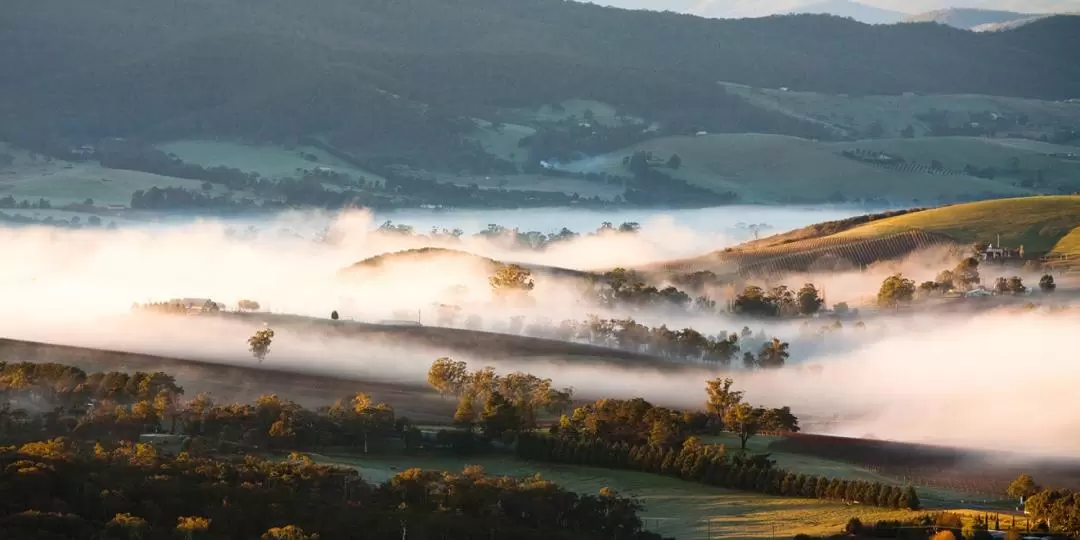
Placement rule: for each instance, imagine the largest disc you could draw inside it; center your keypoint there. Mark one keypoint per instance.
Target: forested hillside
(408, 71)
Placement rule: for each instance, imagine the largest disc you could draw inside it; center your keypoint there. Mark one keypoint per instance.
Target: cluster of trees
(626, 288)
(71, 490)
(638, 422)
(897, 290)
(75, 222)
(510, 403)
(687, 344)
(1057, 510)
(178, 307)
(512, 238)
(1013, 285)
(778, 301)
(122, 406)
(175, 198)
(9, 202)
(963, 277)
(652, 186)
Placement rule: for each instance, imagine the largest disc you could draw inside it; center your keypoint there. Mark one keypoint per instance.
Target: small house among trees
(991, 253)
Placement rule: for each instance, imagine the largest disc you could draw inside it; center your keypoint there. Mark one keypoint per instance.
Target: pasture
(848, 114)
(783, 169)
(684, 510)
(63, 183)
(268, 161)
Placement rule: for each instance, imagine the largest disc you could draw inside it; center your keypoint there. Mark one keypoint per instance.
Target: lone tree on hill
(809, 300)
(448, 376)
(288, 532)
(773, 354)
(721, 397)
(896, 290)
(260, 343)
(1023, 487)
(966, 274)
(743, 420)
(248, 305)
(1046, 284)
(511, 280)
(334, 315)
(192, 527)
(1015, 285)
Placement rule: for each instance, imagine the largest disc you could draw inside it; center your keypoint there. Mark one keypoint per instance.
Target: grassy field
(850, 115)
(673, 507)
(266, 160)
(63, 183)
(1037, 223)
(806, 464)
(776, 168)
(502, 141)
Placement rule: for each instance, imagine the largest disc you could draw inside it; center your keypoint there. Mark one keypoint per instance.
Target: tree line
(117, 405)
(1055, 510)
(130, 491)
(635, 435)
(512, 238)
(708, 465)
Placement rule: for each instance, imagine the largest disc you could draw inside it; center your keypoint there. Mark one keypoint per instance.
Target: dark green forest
(400, 76)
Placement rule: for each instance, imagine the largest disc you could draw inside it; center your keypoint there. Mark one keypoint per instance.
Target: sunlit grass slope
(1040, 224)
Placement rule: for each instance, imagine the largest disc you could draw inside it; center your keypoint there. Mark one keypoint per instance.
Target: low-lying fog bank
(990, 380)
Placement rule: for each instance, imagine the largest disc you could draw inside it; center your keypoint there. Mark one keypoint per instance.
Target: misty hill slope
(773, 168)
(966, 18)
(411, 259)
(406, 72)
(1016, 23)
(1043, 225)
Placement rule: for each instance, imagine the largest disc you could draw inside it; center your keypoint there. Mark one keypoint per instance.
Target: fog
(951, 379)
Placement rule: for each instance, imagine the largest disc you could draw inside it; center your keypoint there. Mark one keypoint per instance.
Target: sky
(757, 8)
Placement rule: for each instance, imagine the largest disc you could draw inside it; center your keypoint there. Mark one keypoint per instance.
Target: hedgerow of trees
(635, 435)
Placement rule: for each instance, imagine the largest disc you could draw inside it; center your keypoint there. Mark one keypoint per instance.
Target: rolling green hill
(127, 67)
(776, 168)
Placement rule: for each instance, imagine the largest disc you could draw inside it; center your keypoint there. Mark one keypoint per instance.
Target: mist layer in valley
(939, 378)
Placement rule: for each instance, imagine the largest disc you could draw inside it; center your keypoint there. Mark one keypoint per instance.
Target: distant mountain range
(961, 16)
(979, 20)
(853, 10)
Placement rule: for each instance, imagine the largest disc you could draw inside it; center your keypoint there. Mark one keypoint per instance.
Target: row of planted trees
(712, 466)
